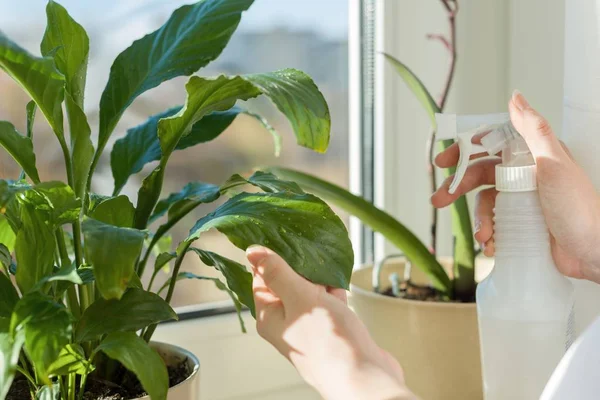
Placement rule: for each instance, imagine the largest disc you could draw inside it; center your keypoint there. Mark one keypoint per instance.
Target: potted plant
(426, 315)
(75, 318)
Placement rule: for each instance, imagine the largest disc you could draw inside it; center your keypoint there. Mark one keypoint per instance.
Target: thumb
(535, 129)
(277, 275)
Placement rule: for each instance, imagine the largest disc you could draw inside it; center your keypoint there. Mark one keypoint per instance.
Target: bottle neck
(520, 228)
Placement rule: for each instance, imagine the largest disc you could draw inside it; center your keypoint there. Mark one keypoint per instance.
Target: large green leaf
(71, 360)
(416, 86)
(20, 148)
(47, 326)
(113, 252)
(299, 227)
(34, 249)
(10, 349)
(54, 200)
(141, 145)
(265, 181)
(298, 98)
(66, 274)
(8, 296)
(238, 278)
(135, 355)
(116, 211)
(378, 220)
(39, 78)
(194, 192)
(135, 310)
(220, 285)
(204, 96)
(193, 36)
(81, 143)
(67, 42)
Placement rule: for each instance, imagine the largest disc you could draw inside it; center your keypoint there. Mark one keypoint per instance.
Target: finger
(489, 248)
(270, 314)
(535, 129)
(278, 276)
(338, 294)
(449, 157)
(478, 174)
(484, 215)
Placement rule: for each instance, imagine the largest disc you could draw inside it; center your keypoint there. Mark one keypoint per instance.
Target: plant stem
(72, 386)
(26, 374)
(450, 44)
(64, 261)
(178, 261)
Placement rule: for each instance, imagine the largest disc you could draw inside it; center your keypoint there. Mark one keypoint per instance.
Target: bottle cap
(516, 179)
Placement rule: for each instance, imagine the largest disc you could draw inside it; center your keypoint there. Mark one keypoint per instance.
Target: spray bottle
(525, 306)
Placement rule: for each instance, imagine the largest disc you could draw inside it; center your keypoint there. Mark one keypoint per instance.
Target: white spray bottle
(525, 306)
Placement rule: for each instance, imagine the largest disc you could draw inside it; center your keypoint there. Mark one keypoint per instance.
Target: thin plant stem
(451, 7)
(72, 386)
(26, 374)
(178, 261)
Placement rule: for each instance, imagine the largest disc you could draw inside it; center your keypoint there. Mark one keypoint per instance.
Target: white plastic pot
(189, 389)
(437, 344)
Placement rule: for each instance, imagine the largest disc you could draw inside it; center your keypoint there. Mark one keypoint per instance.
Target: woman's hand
(313, 328)
(569, 201)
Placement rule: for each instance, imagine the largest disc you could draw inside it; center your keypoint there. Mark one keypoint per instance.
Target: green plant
(462, 285)
(72, 302)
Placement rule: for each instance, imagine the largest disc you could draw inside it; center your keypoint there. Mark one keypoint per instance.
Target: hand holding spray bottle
(525, 306)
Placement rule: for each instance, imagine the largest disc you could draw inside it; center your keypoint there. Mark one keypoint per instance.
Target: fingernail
(519, 100)
(477, 227)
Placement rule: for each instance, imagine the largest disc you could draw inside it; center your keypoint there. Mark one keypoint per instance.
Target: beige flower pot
(437, 344)
(188, 389)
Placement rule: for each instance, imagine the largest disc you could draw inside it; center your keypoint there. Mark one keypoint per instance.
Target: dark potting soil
(411, 291)
(96, 389)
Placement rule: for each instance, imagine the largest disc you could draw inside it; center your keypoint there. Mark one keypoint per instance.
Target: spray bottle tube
(525, 306)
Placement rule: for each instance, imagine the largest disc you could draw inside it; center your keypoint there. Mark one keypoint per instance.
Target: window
(273, 34)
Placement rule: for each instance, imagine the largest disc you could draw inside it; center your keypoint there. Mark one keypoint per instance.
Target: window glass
(310, 35)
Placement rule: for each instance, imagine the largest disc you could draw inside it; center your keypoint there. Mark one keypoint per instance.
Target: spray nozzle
(463, 128)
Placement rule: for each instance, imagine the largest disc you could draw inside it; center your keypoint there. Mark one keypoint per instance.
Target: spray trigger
(466, 149)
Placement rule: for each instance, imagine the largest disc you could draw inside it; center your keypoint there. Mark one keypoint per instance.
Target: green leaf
(48, 392)
(71, 360)
(135, 310)
(67, 42)
(194, 192)
(113, 253)
(81, 143)
(417, 87)
(66, 274)
(20, 148)
(265, 181)
(193, 36)
(10, 349)
(116, 211)
(299, 227)
(377, 219)
(55, 200)
(220, 285)
(298, 98)
(7, 235)
(239, 280)
(34, 249)
(39, 78)
(141, 145)
(8, 296)
(47, 326)
(5, 256)
(135, 355)
(203, 97)
(163, 259)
